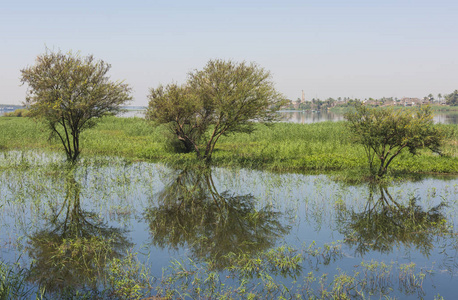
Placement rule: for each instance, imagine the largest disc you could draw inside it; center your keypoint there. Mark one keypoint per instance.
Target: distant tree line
(318, 104)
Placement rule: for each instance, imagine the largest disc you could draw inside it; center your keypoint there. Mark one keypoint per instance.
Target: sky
(326, 48)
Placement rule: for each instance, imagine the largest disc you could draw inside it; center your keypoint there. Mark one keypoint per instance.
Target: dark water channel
(66, 226)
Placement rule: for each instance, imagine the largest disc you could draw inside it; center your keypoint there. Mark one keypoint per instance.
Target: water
(111, 206)
(306, 117)
(303, 117)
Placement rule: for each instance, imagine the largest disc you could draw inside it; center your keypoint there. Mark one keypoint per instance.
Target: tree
(69, 93)
(384, 133)
(225, 97)
(185, 113)
(452, 99)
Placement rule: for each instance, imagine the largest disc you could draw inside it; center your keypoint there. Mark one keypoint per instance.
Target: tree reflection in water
(192, 212)
(385, 223)
(72, 251)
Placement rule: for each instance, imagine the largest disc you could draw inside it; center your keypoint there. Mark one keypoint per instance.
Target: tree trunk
(383, 169)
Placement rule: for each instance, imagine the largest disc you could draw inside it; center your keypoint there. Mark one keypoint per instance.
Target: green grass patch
(284, 147)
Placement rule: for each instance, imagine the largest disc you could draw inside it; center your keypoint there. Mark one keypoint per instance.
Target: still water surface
(305, 117)
(313, 117)
(308, 117)
(166, 214)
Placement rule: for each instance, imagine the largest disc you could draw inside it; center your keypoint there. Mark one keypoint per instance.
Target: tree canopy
(223, 98)
(69, 92)
(452, 99)
(385, 132)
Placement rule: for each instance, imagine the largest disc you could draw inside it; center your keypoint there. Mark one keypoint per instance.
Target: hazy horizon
(356, 49)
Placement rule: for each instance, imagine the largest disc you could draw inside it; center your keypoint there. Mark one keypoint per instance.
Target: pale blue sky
(326, 48)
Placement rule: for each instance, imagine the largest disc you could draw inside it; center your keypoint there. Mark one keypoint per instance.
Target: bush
(21, 112)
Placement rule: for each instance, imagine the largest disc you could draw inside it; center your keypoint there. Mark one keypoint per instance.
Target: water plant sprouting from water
(289, 273)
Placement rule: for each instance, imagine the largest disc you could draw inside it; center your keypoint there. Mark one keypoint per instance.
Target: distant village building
(371, 102)
(389, 103)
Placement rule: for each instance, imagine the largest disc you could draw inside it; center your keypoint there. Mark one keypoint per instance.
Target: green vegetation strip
(284, 147)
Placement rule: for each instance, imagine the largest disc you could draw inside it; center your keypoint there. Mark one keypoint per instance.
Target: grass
(279, 273)
(285, 147)
(262, 277)
(13, 282)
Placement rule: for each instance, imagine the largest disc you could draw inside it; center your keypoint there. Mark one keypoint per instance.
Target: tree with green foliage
(182, 111)
(69, 93)
(385, 133)
(452, 99)
(223, 98)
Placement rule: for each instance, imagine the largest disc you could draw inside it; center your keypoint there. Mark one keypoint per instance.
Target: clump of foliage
(18, 113)
(384, 133)
(184, 113)
(452, 99)
(69, 93)
(223, 98)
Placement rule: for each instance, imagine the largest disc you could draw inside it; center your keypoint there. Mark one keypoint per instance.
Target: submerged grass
(263, 277)
(13, 283)
(280, 273)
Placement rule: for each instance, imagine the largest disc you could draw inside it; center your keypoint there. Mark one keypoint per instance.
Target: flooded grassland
(109, 228)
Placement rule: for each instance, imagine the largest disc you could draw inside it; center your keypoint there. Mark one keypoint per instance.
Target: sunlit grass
(317, 147)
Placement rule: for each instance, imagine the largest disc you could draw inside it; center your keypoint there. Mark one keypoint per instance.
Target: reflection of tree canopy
(191, 211)
(74, 248)
(385, 223)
